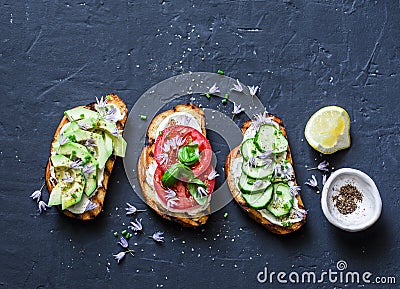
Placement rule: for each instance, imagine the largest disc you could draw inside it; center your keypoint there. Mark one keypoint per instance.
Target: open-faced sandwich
(175, 170)
(82, 156)
(261, 178)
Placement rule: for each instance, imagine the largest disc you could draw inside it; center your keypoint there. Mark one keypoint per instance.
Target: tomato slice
(184, 198)
(172, 138)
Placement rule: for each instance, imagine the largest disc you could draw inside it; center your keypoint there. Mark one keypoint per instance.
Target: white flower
(158, 237)
(265, 155)
(312, 182)
(136, 225)
(237, 86)
(212, 175)
(213, 89)
(323, 179)
(42, 206)
(102, 102)
(260, 119)
(202, 192)
(237, 109)
(119, 256)
(284, 171)
(123, 242)
(253, 90)
(258, 183)
(67, 178)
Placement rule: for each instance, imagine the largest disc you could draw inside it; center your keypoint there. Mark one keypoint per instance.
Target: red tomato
(166, 149)
(185, 199)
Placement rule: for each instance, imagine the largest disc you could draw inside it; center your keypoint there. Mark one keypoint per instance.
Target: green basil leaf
(176, 172)
(193, 186)
(189, 154)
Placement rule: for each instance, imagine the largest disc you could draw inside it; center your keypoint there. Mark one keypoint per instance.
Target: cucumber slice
(268, 137)
(265, 138)
(281, 143)
(259, 200)
(252, 186)
(258, 172)
(250, 151)
(282, 200)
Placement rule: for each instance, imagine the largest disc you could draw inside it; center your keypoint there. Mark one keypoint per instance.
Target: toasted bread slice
(236, 193)
(187, 219)
(98, 197)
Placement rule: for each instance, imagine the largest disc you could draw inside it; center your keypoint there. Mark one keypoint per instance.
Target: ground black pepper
(346, 200)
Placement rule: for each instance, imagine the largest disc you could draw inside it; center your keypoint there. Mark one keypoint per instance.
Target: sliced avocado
(91, 183)
(60, 161)
(77, 150)
(55, 196)
(80, 113)
(119, 146)
(107, 126)
(108, 144)
(78, 135)
(73, 126)
(72, 193)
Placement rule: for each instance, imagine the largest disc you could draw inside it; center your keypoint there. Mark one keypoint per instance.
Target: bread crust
(147, 157)
(253, 213)
(99, 196)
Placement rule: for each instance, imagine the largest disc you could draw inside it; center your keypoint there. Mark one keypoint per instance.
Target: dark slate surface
(304, 55)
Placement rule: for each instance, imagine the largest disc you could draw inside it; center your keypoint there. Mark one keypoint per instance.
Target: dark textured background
(304, 54)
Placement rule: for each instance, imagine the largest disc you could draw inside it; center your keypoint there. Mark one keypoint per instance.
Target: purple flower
(90, 206)
(62, 139)
(90, 143)
(88, 169)
(158, 237)
(67, 178)
(136, 225)
(42, 206)
(131, 209)
(123, 242)
(36, 195)
(323, 166)
(294, 190)
(163, 158)
(76, 164)
(102, 102)
(323, 179)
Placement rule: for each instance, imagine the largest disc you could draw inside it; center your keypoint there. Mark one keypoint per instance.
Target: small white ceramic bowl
(368, 210)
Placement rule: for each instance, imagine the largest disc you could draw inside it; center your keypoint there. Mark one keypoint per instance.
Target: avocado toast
(82, 156)
(261, 177)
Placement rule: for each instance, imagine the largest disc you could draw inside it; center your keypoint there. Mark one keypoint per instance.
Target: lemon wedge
(328, 130)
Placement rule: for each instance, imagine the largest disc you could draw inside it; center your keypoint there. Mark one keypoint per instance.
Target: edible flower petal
(136, 225)
(172, 202)
(67, 178)
(123, 242)
(237, 109)
(90, 143)
(163, 158)
(324, 179)
(76, 164)
(42, 206)
(202, 192)
(253, 90)
(119, 256)
(101, 103)
(158, 237)
(131, 209)
(213, 89)
(88, 169)
(62, 139)
(36, 195)
(323, 166)
(91, 206)
(312, 182)
(213, 174)
(294, 190)
(237, 86)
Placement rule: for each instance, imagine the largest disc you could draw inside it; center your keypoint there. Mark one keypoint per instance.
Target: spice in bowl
(347, 199)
